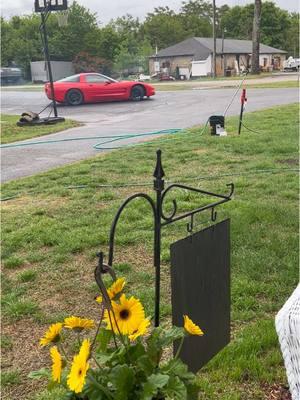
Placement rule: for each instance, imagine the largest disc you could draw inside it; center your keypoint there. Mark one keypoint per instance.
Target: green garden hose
(98, 146)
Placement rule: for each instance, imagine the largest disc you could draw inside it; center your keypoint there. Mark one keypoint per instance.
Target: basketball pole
(47, 57)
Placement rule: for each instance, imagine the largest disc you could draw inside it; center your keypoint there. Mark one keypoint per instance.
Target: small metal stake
(243, 101)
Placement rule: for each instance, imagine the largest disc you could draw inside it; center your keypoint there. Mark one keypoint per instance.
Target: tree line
(127, 41)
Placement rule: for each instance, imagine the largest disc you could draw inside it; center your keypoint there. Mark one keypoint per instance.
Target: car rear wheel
(74, 97)
(137, 93)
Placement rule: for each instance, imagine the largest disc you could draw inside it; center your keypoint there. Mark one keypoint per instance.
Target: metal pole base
(41, 121)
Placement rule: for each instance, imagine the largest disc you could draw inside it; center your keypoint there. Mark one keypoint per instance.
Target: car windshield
(73, 78)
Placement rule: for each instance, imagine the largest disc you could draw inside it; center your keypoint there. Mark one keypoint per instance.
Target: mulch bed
(277, 392)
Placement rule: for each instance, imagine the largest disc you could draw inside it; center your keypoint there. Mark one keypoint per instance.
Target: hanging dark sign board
(200, 280)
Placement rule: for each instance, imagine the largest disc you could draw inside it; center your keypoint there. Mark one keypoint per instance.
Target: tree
(163, 28)
(196, 18)
(291, 42)
(84, 62)
(256, 37)
(65, 42)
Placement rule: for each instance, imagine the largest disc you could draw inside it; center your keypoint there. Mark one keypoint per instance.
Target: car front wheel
(137, 93)
(74, 97)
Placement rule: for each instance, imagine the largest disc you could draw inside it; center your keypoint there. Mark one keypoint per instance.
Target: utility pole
(256, 37)
(214, 39)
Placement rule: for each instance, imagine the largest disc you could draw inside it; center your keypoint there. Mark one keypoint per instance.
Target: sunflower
(85, 349)
(141, 330)
(125, 317)
(52, 335)
(57, 364)
(78, 324)
(76, 377)
(114, 289)
(190, 327)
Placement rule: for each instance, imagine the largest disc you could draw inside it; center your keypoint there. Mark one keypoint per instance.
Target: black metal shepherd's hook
(160, 220)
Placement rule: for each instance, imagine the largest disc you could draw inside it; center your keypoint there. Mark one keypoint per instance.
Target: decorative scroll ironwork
(160, 220)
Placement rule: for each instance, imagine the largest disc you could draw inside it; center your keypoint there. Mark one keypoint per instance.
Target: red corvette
(91, 87)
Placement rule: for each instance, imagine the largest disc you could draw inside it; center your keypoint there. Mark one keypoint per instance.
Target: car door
(100, 88)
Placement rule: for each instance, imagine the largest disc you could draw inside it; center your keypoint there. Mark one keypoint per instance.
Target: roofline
(177, 55)
(220, 53)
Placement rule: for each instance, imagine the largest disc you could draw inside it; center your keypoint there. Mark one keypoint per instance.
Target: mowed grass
(55, 222)
(10, 132)
(248, 84)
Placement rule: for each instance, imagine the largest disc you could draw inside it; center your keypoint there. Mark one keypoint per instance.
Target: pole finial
(159, 171)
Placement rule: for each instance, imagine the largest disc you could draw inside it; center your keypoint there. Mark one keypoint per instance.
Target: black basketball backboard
(50, 5)
(200, 281)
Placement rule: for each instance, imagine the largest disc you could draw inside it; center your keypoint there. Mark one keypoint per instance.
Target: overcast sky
(107, 10)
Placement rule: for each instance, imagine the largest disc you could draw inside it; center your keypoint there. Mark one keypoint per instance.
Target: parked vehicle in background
(10, 75)
(291, 64)
(143, 78)
(92, 87)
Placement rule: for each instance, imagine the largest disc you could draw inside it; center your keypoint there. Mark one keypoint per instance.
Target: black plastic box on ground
(215, 120)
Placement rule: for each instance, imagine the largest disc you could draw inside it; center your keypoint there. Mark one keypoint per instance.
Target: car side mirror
(108, 82)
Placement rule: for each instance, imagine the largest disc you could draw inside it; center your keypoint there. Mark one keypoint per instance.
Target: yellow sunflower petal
(114, 289)
(77, 375)
(57, 364)
(125, 316)
(191, 327)
(141, 330)
(85, 349)
(78, 323)
(52, 335)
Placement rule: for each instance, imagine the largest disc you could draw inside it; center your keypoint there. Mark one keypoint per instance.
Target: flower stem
(179, 348)
(63, 351)
(98, 328)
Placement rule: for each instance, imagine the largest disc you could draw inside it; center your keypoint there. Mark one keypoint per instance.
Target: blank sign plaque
(200, 281)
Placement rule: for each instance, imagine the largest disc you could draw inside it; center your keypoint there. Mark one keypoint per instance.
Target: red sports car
(92, 87)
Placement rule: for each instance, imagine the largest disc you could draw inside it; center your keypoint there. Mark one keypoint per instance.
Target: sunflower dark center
(124, 314)
(80, 372)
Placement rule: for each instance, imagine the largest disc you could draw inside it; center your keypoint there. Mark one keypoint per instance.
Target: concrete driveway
(178, 109)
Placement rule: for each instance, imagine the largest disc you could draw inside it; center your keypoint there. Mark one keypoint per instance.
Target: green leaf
(104, 358)
(135, 352)
(103, 338)
(154, 383)
(192, 390)
(175, 389)
(122, 378)
(41, 373)
(168, 336)
(144, 363)
(95, 387)
(154, 346)
(177, 368)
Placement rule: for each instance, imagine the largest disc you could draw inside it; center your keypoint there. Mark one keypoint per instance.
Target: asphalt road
(178, 109)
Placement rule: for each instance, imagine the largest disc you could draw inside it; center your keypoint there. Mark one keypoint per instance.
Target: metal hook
(105, 268)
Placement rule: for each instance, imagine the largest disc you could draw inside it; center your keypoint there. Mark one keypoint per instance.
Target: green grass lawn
(248, 84)
(51, 233)
(10, 132)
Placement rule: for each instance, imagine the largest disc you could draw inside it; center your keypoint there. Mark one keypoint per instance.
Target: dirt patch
(289, 161)
(25, 356)
(276, 392)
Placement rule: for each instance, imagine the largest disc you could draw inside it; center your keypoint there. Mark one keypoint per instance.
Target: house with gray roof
(193, 57)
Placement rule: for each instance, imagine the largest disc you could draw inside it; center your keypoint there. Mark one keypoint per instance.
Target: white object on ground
(220, 131)
(287, 324)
